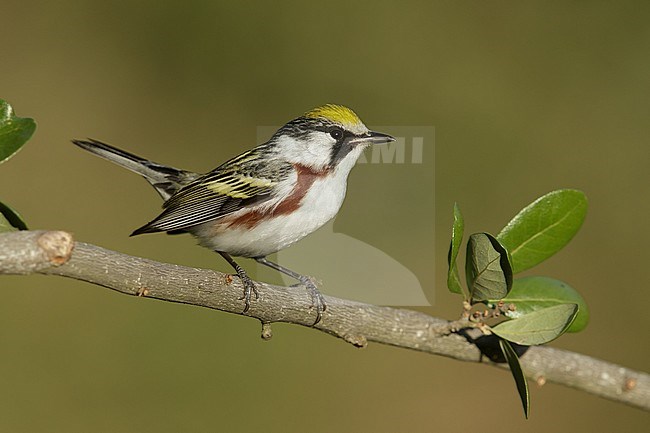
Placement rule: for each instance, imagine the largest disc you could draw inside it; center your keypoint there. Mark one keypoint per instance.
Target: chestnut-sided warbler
(265, 199)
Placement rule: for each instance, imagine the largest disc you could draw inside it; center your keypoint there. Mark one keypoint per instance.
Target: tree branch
(55, 253)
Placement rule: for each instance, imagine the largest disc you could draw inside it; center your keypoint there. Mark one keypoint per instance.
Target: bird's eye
(336, 133)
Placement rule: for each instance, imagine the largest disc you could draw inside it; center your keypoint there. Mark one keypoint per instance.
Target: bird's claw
(249, 289)
(317, 300)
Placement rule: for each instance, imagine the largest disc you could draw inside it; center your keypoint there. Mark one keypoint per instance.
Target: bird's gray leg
(249, 285)
(317, 300)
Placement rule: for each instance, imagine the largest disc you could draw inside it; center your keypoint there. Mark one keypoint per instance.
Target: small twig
(55, 253)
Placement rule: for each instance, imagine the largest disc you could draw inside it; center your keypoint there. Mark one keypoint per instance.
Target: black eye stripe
(336, 132)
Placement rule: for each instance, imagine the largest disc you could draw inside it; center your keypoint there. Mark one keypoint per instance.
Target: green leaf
(10, 219)
(517, 373)
(14, 131)
(535, 293)
(453, 279)
(5, 226)
(543, 227)
(538, 327)
(487, 267)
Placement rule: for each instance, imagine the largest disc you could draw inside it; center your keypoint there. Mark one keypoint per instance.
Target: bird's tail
(166, 180)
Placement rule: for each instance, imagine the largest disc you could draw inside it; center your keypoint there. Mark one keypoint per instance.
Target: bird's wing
(244, 181)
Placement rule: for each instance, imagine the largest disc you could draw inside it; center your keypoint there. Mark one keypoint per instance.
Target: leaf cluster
(530, 310)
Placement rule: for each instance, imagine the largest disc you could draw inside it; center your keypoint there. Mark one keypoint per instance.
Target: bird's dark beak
(373, 137)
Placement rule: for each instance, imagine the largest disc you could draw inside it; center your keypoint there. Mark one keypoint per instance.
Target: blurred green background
(525, 97)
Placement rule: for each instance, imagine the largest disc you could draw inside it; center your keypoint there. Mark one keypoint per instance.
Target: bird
(263, 200)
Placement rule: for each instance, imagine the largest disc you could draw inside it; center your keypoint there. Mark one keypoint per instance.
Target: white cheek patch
(313, 151)
(320, 148)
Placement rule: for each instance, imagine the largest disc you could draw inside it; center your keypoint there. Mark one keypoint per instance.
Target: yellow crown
(335, 113)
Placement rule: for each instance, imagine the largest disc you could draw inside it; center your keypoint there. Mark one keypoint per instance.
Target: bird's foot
(249, 290)
(317, 300)
(249, 285)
